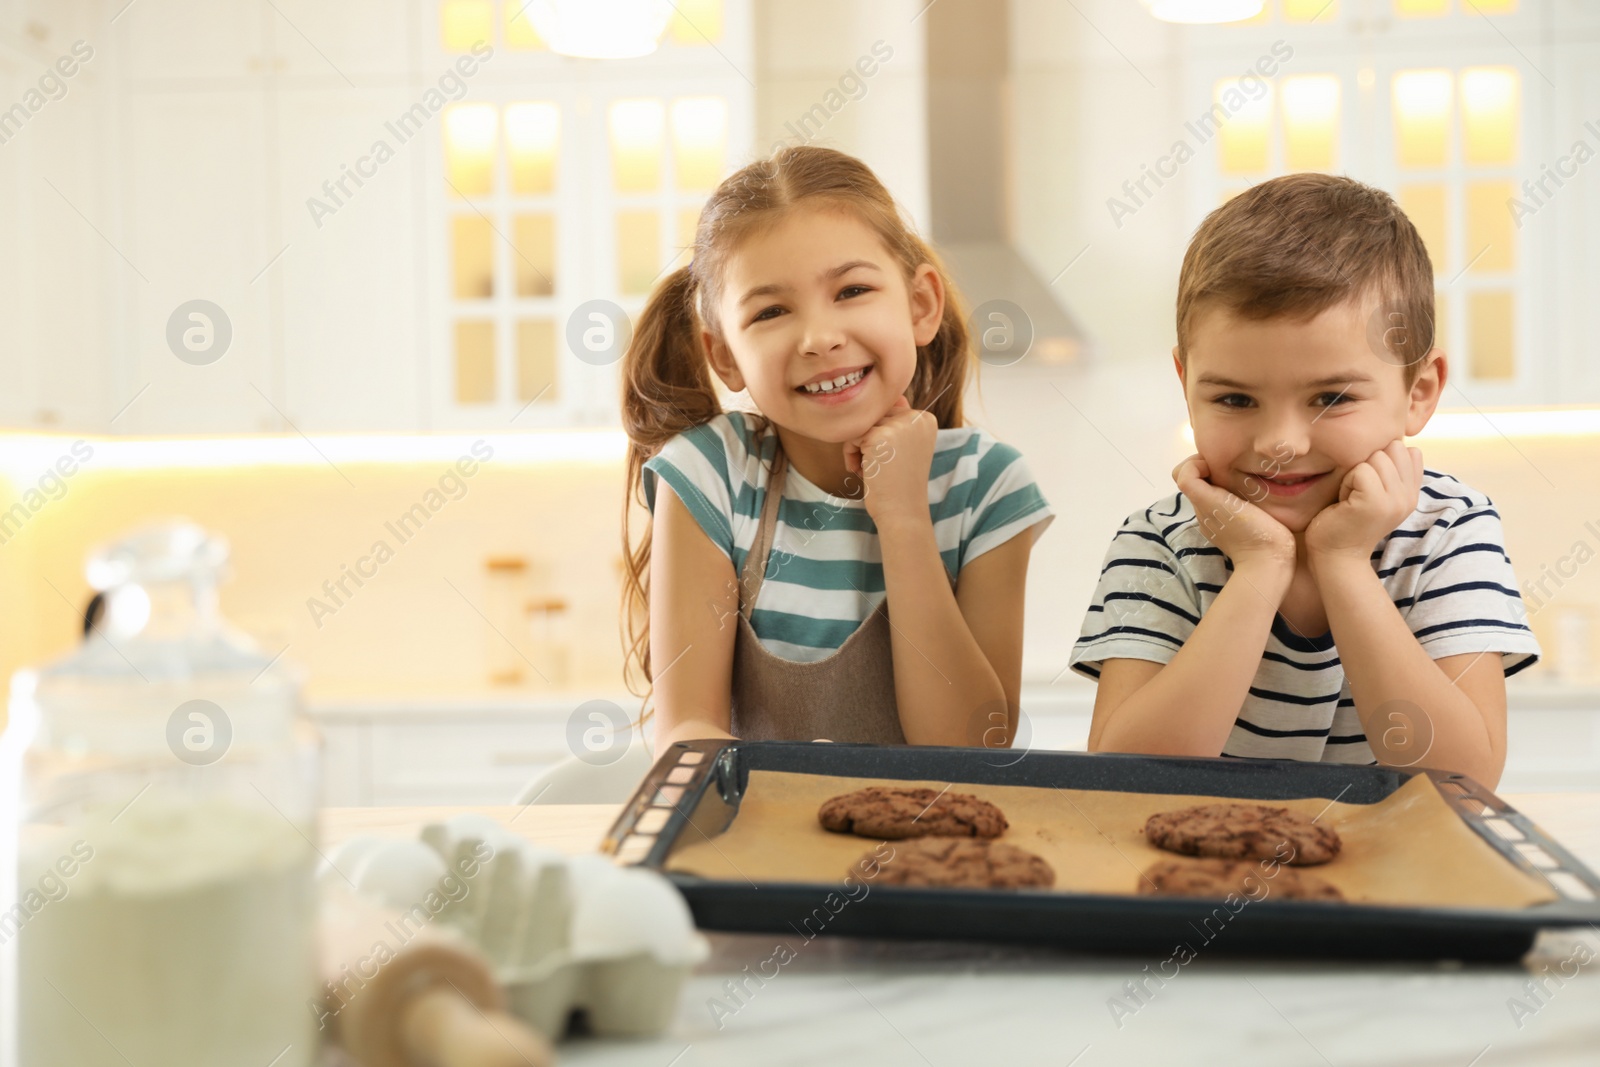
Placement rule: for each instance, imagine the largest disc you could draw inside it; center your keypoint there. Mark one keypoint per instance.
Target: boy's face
(818, 297)
(1283, 408)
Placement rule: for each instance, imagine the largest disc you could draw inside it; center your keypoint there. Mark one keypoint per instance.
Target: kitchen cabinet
(188, 182)
(480, 750)
(1574, 213)
(556, 198)
(18, 369)
(354, 42)
(483, 750)
(368, 42)
(354, 316)
(54, 361)
(224, 149)
(197, 179)
(1453, 112)
(43, 29)
(191, 178)
(72, 269)
(194, 40)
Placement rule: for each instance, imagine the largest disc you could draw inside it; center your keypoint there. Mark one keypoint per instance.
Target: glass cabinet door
(565, 189)
(1431, 101)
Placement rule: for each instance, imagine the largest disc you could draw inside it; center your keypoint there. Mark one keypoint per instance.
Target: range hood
(969, 149)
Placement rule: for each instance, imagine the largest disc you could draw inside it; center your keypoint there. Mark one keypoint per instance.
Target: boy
(1312, 592)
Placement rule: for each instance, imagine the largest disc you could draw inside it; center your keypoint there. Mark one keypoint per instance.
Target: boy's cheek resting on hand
(1375, 496)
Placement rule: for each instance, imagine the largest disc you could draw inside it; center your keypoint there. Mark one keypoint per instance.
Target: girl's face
(820, 324)
(1282, 408)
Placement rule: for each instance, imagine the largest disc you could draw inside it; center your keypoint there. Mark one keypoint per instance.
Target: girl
(786, 539)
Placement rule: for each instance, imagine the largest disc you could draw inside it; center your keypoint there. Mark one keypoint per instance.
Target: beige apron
(849, 696)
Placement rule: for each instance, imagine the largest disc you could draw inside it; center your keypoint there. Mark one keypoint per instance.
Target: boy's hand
(1247, 535)
(1374, 498)
(893, 459)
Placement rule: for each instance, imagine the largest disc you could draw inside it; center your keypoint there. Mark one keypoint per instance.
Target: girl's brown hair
(667, 382)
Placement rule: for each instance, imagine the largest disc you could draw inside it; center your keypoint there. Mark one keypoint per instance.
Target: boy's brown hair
(1297, 245)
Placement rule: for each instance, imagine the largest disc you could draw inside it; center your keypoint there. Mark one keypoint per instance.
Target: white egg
(472, 824)
(400, 874)
(587, 870)
(633, 910)
(342, 863)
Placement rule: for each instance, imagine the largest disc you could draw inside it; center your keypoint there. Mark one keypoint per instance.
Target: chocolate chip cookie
(1243, 832)
(893, 812)
(964, 863)
(1217, 878)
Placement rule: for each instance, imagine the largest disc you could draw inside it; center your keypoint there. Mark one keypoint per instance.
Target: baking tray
(695, 788)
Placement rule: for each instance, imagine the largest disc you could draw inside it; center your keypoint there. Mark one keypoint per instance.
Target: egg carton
(563, 934)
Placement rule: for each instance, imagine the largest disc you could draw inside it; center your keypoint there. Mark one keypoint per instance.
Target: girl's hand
(1374, 498)
(893, 459)
(1248, 536)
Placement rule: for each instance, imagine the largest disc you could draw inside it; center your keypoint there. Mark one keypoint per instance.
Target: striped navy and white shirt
(1445, 568)
(825, 572)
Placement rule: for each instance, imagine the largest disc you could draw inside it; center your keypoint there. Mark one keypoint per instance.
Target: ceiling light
(1204, 10)
(600, 29)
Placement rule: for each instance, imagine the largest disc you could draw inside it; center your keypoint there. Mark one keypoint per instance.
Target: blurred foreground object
(158, 903)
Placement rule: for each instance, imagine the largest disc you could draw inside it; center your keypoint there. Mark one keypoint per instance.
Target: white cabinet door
(193, 40)
(59, 262)
(19, 390)
(1567, 209)
(46, 28)
(198, 229)
(348, 43)
(346, 781)
(455, 761)
(73, 268)
(352, 320)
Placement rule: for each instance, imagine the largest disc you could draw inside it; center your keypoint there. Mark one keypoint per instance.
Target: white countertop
(924, 1004)
(920, 1004)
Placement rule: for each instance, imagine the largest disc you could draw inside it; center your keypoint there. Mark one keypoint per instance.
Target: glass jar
(551, 642)
(160, 905)
(507, 582)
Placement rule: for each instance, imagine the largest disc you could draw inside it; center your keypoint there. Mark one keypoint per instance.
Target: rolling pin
(421, 1000)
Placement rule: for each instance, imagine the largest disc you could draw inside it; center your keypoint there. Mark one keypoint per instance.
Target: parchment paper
(1408, 849)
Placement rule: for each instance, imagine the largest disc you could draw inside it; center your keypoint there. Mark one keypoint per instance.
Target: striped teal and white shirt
(1445, 568)
(825, 572)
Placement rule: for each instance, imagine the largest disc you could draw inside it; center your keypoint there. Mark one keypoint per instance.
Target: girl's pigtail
(666, 389)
